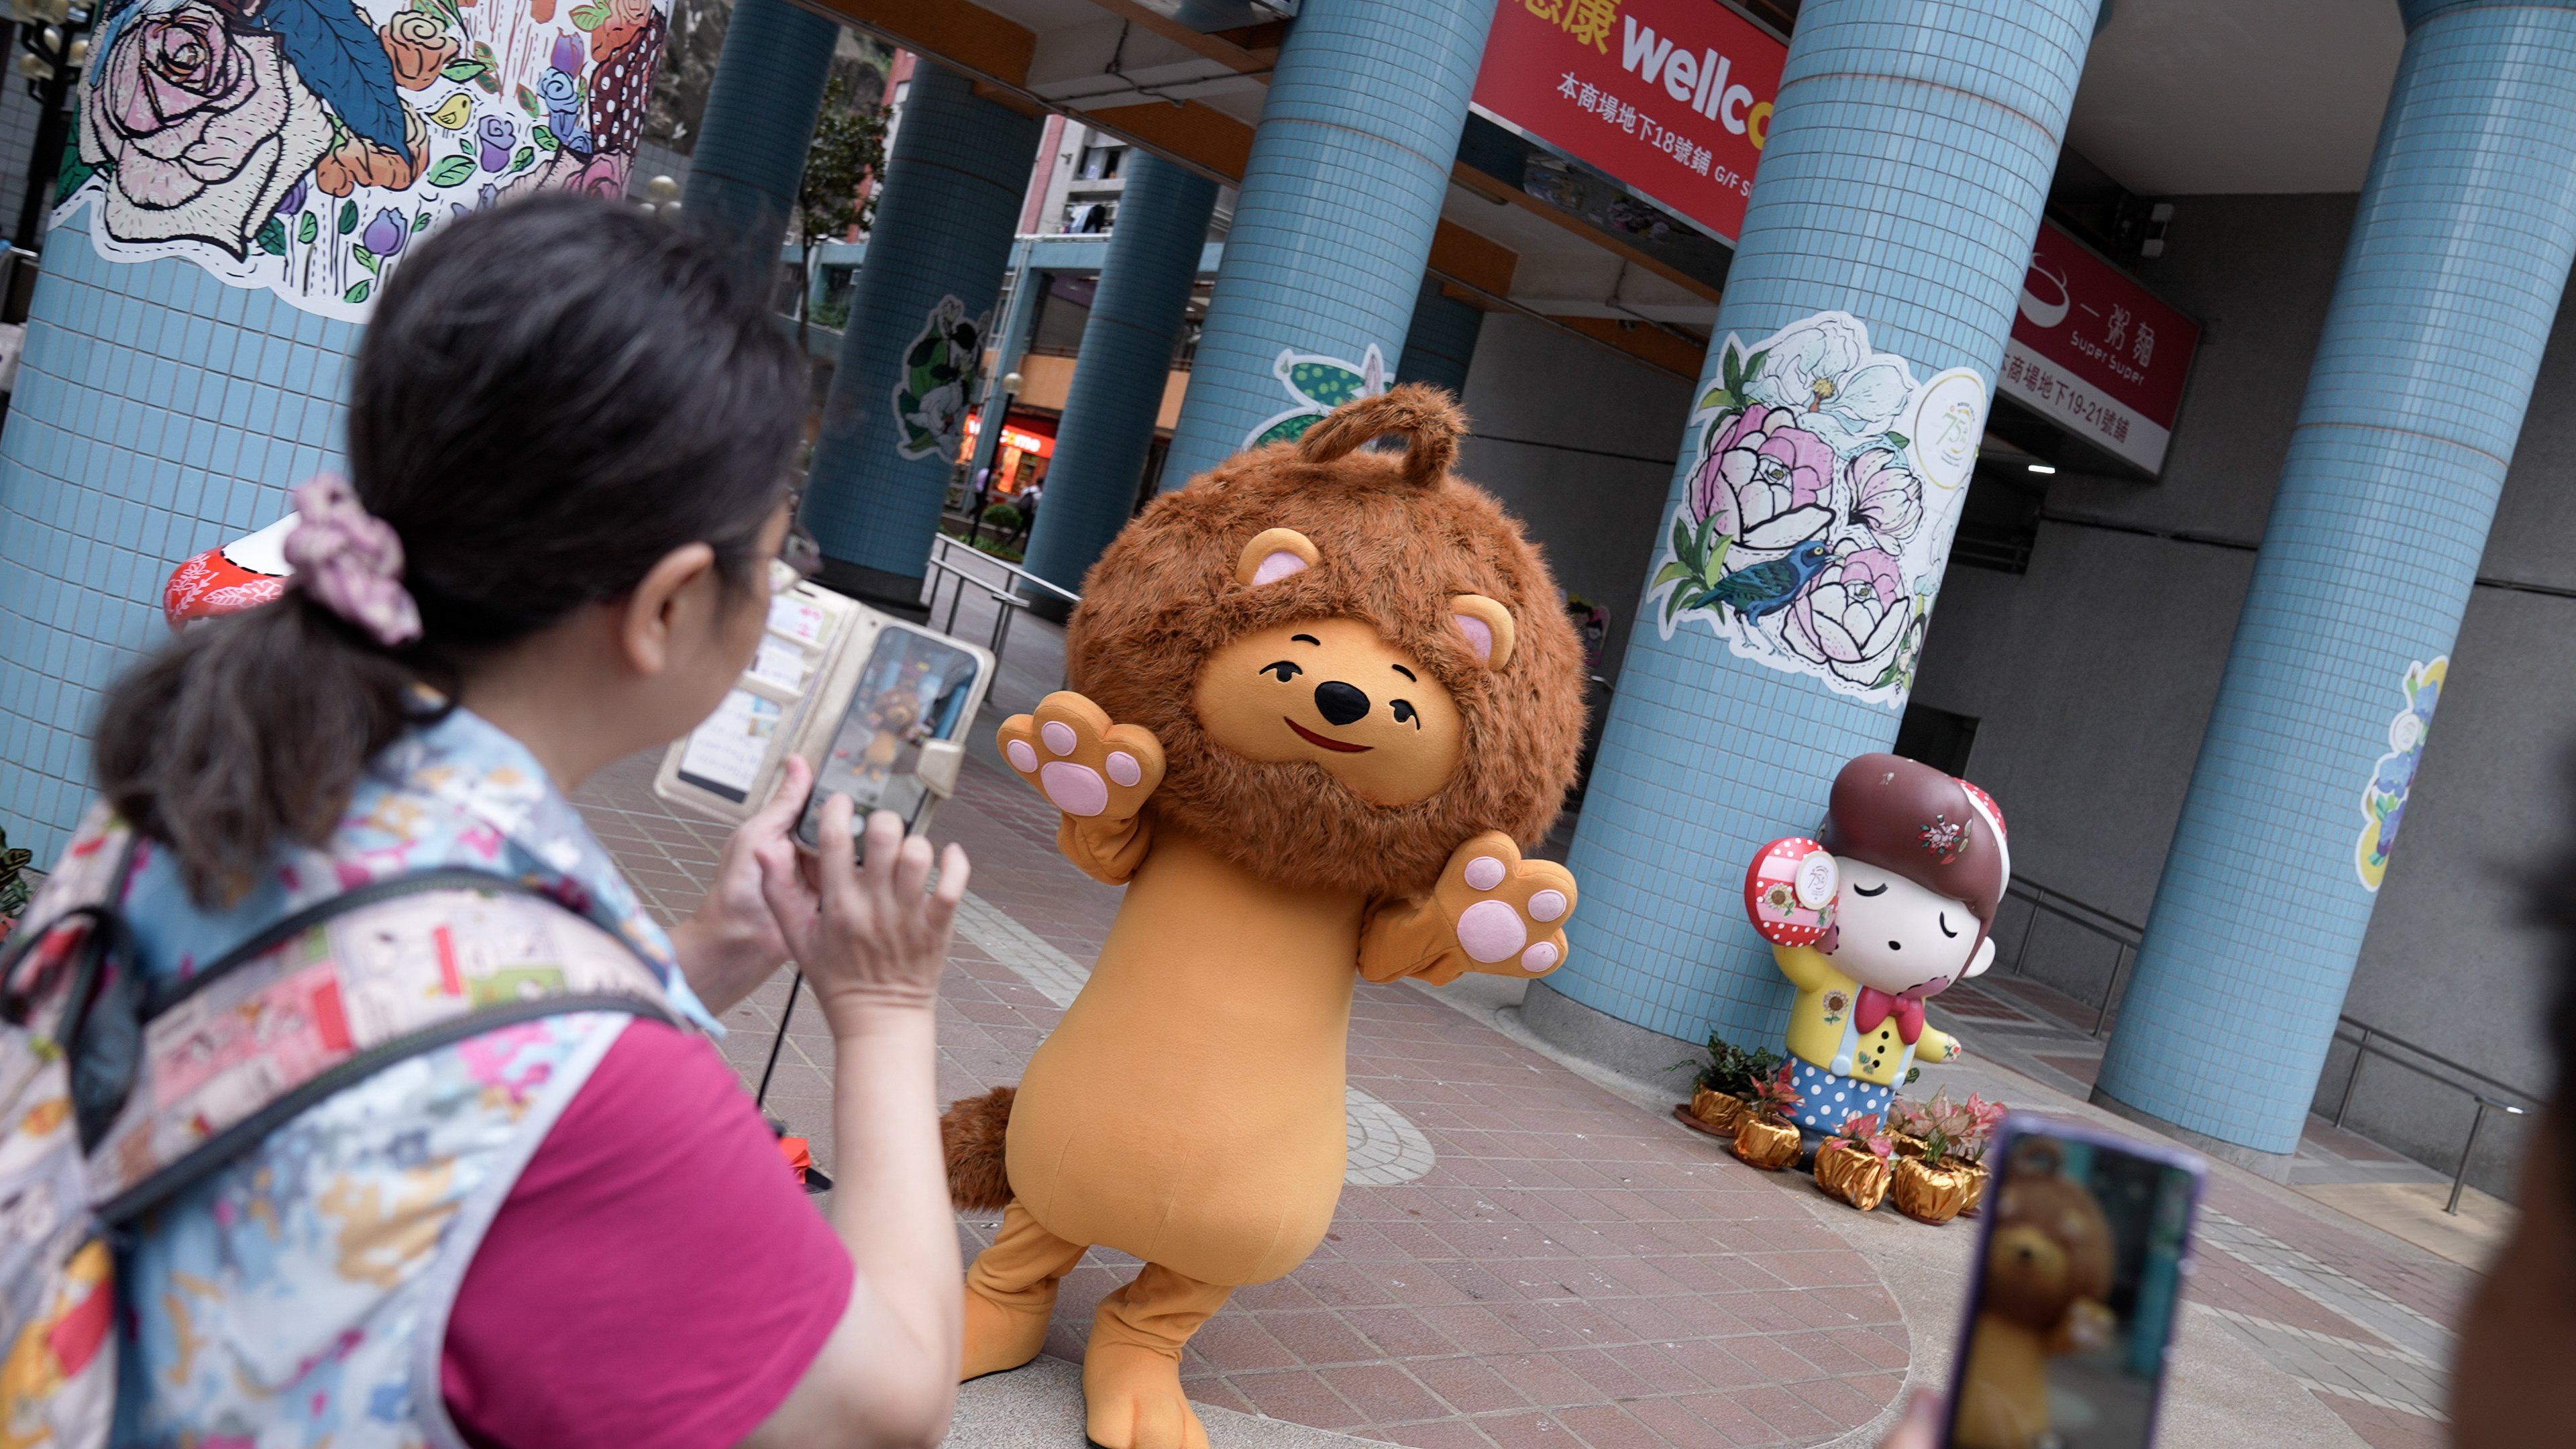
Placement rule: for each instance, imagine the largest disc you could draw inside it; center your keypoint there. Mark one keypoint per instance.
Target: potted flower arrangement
(1765, 1137)
(1854, 1165)
(1726, 1083)
(1940, 1176)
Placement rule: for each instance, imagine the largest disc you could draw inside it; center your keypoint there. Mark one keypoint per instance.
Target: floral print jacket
(299, 1296)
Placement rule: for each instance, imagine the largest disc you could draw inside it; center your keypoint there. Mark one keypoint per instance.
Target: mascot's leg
(1131, 1373)
(1010, 1292)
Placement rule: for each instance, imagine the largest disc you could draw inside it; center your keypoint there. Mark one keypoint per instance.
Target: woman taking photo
(570, 439)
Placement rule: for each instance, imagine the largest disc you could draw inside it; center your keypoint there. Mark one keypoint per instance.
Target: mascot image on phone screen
(1318, 695)
(1892, 906)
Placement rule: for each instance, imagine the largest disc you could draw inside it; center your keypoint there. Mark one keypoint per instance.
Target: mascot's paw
(1081, 762)
(1510, 913)
(1132, 1399)
(1001, 1336)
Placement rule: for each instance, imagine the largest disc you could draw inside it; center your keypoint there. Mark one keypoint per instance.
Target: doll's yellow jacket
(1822, 1030)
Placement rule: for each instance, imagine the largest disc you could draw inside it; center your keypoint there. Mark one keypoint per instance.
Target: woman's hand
(733, 943)
(873, 934)
(1921, 1426)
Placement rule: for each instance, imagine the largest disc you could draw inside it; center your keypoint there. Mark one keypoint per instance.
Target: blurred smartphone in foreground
(2071, 1312)
(911, 697)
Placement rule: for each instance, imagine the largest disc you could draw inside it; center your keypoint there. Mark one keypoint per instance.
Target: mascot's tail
(1427, 416)
(973, 1131)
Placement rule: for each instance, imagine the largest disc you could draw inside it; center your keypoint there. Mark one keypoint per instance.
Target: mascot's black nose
(1339, 702)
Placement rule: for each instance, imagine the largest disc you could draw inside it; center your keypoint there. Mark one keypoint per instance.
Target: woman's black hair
(551, 396)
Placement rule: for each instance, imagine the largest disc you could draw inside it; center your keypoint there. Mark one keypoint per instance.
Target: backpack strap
(325, 999)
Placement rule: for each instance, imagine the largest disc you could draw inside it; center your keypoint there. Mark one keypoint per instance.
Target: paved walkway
(1530, 1253)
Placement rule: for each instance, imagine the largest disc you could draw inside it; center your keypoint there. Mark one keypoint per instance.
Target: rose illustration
(566, 55)
(295, 198)
(563, 109)
(355, 161)
(201, 132)
(626, 20)
(1764, 480)
(1887, 499)
(418, 43)
(495, 136)
(1842, 392)
(1852, 617)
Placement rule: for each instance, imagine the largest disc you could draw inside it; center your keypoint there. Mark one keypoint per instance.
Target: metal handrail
(2124, 934)
(2487, 1092)
(1003, 591)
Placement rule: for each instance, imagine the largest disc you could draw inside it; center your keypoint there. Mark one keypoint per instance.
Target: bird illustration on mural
(1766, 588)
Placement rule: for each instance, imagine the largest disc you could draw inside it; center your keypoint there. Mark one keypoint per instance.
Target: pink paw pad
(1547, 905)
(1022, 758)
(1123, 767)
(1491, 931)
(1058, 735)
(1484, 872)
(1539, 957)
(1073, 789)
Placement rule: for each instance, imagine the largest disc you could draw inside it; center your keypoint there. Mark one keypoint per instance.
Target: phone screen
(2079, 1279)
(913, 688)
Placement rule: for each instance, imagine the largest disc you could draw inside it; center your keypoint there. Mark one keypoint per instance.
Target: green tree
(848, 151)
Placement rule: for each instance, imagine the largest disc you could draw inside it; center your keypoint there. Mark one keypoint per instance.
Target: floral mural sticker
(304, 146)
(2383, 800)
(1319, 384)
(930, 391)
(1822, 494)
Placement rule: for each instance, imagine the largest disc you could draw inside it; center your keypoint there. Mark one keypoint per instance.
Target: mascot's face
(1895, 935)
(1352, 658)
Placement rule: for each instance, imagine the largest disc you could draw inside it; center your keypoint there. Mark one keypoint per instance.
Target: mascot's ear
(1487, 625)
(1274, 554)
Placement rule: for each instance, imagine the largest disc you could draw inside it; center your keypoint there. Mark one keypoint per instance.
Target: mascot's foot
(1082, 763)
(1131, 1394)
(1000, 1337)
(1010, 1295)
(1510, 913)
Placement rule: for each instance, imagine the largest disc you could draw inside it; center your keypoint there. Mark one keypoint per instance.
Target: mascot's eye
(1403, 709)
(1866, 891)
(1941, 919)
(1286, 669)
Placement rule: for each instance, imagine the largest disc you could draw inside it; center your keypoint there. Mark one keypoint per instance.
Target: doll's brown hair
(1398, 536)
(1914, 821)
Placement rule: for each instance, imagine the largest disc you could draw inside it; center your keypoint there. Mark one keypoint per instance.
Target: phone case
(790, 701)
(1789, 891)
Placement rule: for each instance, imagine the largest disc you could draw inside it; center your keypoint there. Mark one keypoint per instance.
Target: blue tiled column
(1902, 184)
(1334, 221)
(1442, 340)
(943, 231)
(1126, 359)
(759, 121)
(158, 413)
(2449, 287)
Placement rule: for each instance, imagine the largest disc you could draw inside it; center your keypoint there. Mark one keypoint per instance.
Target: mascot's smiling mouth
(1312, 738)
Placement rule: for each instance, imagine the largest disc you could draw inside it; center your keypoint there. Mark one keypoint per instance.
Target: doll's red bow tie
(1874, 1005)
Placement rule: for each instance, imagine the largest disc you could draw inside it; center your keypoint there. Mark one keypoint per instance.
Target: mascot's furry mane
(1399, 535)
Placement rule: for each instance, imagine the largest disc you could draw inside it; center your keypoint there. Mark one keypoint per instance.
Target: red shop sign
(1670, 97)
(2096, 353)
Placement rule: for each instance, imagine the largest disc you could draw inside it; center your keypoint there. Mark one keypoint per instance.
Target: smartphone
(2080, 1269)
(913, 690)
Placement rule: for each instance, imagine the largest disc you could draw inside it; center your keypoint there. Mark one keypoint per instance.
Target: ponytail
(551, 396)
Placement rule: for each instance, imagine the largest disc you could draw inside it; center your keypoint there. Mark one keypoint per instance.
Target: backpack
(116, 1093)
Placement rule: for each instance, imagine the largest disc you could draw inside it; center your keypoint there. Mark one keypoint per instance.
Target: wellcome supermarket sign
(1672, 97)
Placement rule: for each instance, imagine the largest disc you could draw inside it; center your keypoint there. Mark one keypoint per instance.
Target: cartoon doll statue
(1891, 906)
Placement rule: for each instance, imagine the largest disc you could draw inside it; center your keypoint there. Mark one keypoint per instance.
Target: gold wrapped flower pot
(1768, 1145)
(1929, 1194)
(1976, 1186)
(1907, 1144)
(1853, 1174)
(1722, 1111)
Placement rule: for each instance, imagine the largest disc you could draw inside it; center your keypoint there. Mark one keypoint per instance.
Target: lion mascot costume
(1319, 699)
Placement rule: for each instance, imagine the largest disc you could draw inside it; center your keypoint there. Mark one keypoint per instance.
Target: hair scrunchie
(351, 561)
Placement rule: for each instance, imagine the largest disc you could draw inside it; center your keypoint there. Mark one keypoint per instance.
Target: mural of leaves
(307, 229)
(272, 237)
(357, 293)
(348, 217)
(1329, 385)
(451, 172)
(341, 59)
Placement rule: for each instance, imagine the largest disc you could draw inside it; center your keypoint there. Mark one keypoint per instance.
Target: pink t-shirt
(655, 1280)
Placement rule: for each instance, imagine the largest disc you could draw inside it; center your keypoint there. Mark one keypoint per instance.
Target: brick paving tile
(2386, 1428)
(1297, 1395)
(1605, 1426)
(1386, 1394)
(1525, 1431)
(1450, 1434)
(1469, 1385)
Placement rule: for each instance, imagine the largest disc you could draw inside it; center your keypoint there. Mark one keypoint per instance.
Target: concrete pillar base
(1606, 1041)
(2274, 1165)
(876, 588)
